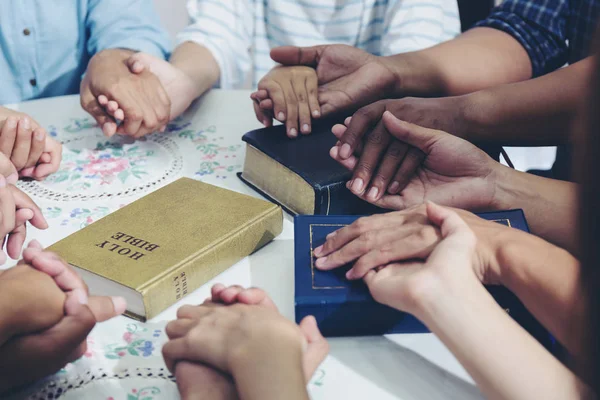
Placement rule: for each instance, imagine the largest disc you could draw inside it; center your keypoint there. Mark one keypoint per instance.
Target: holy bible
(165, 245)
(299, 174)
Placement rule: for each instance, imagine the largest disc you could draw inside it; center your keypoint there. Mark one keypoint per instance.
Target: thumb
(291, 55)
(135, 64)
(448, 220)
(411, 134)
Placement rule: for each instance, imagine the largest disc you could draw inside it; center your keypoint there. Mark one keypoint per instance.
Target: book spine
(189, 276)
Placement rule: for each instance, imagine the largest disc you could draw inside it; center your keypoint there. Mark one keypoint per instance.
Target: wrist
(415, 75)
(475, 116)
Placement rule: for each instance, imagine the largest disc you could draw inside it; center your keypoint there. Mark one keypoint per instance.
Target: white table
(205, 144)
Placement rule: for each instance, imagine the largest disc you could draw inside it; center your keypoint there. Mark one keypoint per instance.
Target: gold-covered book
(163, 246)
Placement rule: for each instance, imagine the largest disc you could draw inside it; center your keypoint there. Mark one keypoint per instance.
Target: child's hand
(290, 95)
(317, 348)
(180, 88)
(48, 163)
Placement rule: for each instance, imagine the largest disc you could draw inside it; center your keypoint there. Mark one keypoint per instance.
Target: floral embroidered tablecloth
(100, 175)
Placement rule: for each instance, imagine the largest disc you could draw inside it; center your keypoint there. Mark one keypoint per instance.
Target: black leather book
(299, 174)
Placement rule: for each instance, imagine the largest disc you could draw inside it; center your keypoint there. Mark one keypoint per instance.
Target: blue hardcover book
(346, 308)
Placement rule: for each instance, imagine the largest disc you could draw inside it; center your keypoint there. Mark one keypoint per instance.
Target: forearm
(477, 59)
(198, 63)
(504, 361)
(538, 112)
(550, 205)
(547, 280)
(278, 375)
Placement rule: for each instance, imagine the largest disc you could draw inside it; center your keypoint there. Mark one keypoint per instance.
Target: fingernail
(281, 116)
(320, 263)
(318, 251)
(39, 135)
(345, 151)
(394, 187)
(28, 214)
(334, 152)
(2, 181)
(35, 243)
(11, 122)
(305, 128)
(293, 132)
(349, 275)
(266, 122)
(26, 123)
(120, 304)
(332, 234)
(373, 193)
(137, 65)
(316, 113)
(12, 178)
(357, 185)
(349, 185)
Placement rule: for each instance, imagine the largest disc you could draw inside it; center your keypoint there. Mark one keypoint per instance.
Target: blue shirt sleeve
(127, 24)
(539, 26)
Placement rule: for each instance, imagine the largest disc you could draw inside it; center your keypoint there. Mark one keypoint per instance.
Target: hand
(451, 266)
(26, 144)
(290, 95)
(378, 240)
(386, 164)
(16, 208)
(198, 381)
(317, 346)
(349, 78)
(143, 99)
(454, 172)
(180, 88)
(239, 335)
(31, 356)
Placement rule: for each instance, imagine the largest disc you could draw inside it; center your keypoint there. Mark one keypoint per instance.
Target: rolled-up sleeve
(539, 26)
(225, 28)
(126, 24)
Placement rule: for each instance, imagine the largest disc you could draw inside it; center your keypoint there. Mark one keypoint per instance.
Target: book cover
(163, 246)
(298, 173)
(346, 308)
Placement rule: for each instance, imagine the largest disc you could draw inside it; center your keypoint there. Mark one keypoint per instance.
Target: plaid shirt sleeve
(539, 26)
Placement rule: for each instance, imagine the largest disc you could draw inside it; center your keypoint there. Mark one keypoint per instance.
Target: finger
(193, 312)
(112, 106)
(161, 105)
(303, 110)
(20, 151)
(175, 350)
(229, 295)
(260, 115)
(349, 163)
(360, 125)
(8, 135)
(103, 100)
(119, 115)
(376, 144)
(179, 328)
(276, 94)
(135, 65)
(21, 200)
(260, 95)
(448, 221)
(256, 296)
(348, 121)
(15, 241)
(291, 55)
(387, 169)
(34, 244)
(50, 264)
(312, 89)
(411, 163)
(90, 104)
(338, 131)
(317, 349)
(38, 142)
(349, 252)
(7, 208)
(109, 129)
(266, 105)
(45, 158)
(105, 308)
(413, 135)
(215, 292)
(291, 102)
(134, 116)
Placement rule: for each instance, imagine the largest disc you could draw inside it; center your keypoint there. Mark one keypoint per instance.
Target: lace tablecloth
(100, 175)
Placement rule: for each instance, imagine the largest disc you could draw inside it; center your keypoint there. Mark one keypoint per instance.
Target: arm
(513, 44)
(539, 112)
(414, 26)
(489, 344)
(550, 205)
(198, 63)
(222, 34)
